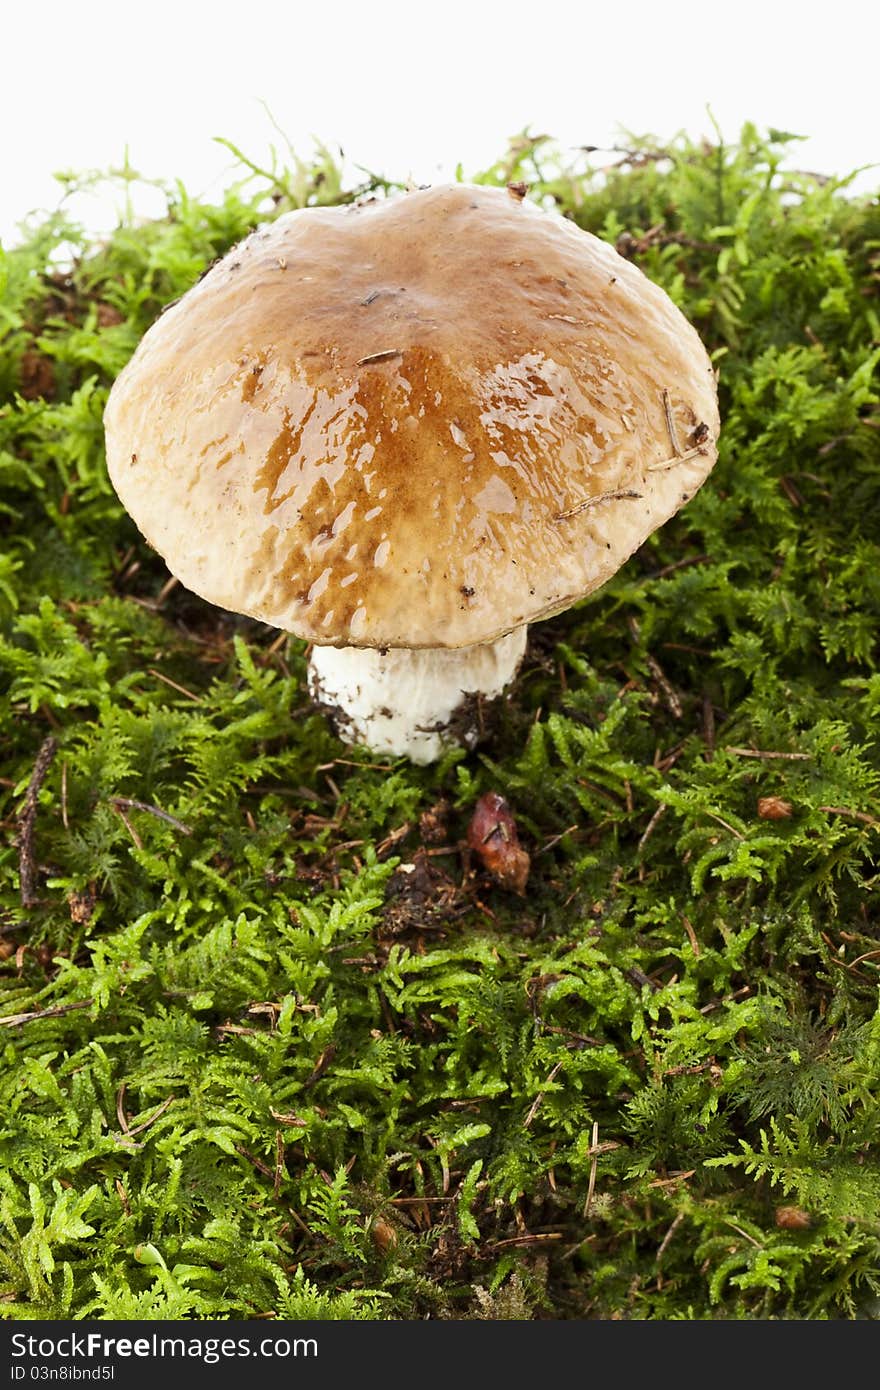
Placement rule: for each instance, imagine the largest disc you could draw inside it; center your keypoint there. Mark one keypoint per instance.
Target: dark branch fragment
(27, 868)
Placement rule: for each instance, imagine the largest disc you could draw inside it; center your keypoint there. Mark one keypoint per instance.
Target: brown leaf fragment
(384, 1235)
(37, 376)
(773, 808)
(492, 834)
(108, 315)
(82, 905)
(432, 823)
(792, 1218)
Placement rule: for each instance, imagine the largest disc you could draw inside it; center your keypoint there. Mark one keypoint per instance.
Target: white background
(411, 89)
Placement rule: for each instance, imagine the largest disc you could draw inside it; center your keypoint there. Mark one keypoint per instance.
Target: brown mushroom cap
(419, 422)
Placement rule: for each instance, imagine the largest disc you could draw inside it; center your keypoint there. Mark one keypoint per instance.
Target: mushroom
(403, 430)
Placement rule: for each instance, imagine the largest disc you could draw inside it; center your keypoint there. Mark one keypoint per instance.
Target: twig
(583, 1038)
(260, 1167)
(829, 445)
(845, 811)
(629, 246)
(554, 839)
(745, 1235)
(594, 502)
(168, 587)
(726, 999)
(692, 936)
(128, 803)
(64, 821)
(649, 829)
(694, 1069)
(12, 1020)
(526, 1240)
(393, 839)
(288, 1117)
(682, 646)
(350, 762)
(668, 1237)
(726, 824)
(869, 955)
(279, 1164)
(320, 1066)
(120, 1109)
(151, 1119)
(299, 1221)
(681, 1176)
(760, 753)
(637, 976)
(678, 565)
(679, 458)
(539, 1097)
(670, 424)
(411, 1201)
(384, 356)
(634, 157)
(139, 844)
(594, 1167)
(662, 680)
(27, 869)
(668, 760)
(166, 680)
(116, 577)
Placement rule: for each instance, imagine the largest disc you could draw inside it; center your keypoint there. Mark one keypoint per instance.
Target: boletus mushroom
(403, 430)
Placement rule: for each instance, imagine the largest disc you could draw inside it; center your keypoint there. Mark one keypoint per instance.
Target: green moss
(249, 1066)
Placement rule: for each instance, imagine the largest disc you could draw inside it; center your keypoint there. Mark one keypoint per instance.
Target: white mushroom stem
(414, 703)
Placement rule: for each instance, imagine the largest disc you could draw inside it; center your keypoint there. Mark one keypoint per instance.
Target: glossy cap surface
(420, 422)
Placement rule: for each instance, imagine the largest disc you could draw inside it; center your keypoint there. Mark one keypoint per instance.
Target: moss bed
(251, 1066)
